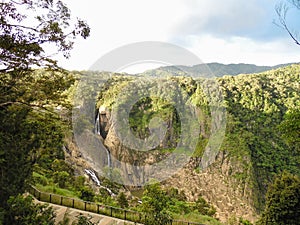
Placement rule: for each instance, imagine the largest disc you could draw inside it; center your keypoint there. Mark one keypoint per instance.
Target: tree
(25, 136)
(155, 205)
(23, 211)
(282, 11)
(30, 126)
(61, 178)
(83, 220)
(290, 128)
(29, 27)
(86, 194)
(282, 201)
(79, 182)
(204, 208)
(122, 200)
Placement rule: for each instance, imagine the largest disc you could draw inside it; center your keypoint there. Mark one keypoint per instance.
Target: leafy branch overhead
(31, 32)
(26, 38)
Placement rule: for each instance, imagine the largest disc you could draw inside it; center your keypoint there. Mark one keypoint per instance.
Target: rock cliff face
(228, 195)
(133, 164)
(252, 151)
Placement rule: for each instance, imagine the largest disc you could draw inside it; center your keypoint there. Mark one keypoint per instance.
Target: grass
(46, 185)
(138, 193)
(56, 190)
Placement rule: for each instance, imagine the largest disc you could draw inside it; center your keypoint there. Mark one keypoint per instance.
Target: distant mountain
(211, 70)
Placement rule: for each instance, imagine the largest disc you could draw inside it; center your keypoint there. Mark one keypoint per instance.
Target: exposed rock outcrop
(217, 184)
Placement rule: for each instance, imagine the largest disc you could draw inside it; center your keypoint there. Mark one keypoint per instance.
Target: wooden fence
(93, 207)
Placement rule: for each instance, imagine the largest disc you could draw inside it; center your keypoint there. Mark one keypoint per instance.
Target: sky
(227, 31)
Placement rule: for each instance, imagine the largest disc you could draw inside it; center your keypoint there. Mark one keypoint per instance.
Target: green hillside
(256, 105)
(211, 69)
(257, 144)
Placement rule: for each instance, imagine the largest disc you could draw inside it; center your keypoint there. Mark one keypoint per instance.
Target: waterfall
(92, 174)
(98, 132)
(94, 178)
(97, 124)
(108, 157)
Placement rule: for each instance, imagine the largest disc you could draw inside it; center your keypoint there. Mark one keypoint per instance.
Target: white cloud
(115, 23)
(228, 18)
(244, 50)
(223, 31)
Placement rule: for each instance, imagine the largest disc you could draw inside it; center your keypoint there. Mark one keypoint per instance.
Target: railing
(93, 207)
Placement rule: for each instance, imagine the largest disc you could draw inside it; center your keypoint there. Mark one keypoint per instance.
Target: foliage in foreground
(282, 201)
(27, 97)
(23, 211)
(161, 206)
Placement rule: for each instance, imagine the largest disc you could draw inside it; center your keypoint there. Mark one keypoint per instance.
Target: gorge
(252, 151)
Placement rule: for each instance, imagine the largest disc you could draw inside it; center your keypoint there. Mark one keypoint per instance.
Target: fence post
(84, 205)
(61, 200)
(39, 198)
(111, 211)
(73, 203)
(98, 208)
(50, 198)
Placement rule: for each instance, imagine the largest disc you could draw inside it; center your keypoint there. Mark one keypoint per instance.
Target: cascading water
(97, 125)
(92, 174)
(98, 132)
(94, 177)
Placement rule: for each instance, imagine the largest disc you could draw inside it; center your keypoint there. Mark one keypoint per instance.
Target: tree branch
(22, 26)
(291, 34)
(32, 106)
(296, 3)
(281, 11)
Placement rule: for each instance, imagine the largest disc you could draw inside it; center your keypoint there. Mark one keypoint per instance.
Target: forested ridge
(254, 177)
(259, 108)
(212, 69)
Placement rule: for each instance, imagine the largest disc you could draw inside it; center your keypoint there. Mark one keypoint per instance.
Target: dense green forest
(262, 132)
(257, 106)
(38, 100)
